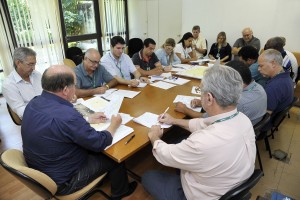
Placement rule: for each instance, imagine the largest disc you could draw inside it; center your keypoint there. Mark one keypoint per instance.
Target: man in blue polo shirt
(279, 88)
(92, 78)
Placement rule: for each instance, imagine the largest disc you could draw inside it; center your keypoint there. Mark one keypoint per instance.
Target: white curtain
(45, 18)
(6, 45)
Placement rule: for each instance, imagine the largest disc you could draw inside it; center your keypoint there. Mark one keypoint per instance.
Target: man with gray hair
(247, 39)
(24, 82)
(219, 154)
(279, 88)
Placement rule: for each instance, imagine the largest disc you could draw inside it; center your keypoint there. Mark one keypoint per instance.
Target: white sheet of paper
(163, 85)
(183, 66)
(113, 106)
(174, 69)
(125, 118)
(96, 104)
(196, 90)
(149, 119)
(187, 101)
(177, 80)
(142, 84)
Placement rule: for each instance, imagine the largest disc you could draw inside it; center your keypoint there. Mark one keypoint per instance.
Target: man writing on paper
(92, 78)
(59, 142)
(220, 153)
(119, 65)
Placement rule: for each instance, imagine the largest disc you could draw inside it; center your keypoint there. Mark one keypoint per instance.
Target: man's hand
(115, 123)
(100, 90)
(168, 68)
(196, 103)
(155, 133)
(166, 118)
(144, 80)
(180, 107)
(134, 83)
(96, 118)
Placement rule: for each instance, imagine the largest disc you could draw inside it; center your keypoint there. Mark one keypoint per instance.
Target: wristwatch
(107, 86)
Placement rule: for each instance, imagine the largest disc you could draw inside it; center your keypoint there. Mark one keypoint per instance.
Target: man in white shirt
(119, 65)
(24, 82)
(219, 154)
(199, 42)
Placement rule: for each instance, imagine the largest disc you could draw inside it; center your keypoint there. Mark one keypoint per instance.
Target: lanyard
(226, 118)
(186, 54)
(117, 65)
(93, 81)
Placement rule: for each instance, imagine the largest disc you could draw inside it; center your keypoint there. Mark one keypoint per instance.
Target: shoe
(132, 186)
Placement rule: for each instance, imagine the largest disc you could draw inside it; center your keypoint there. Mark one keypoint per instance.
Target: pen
(129, 139)
(164, 113)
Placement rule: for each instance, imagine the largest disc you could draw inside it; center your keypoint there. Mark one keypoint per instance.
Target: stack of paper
(163, 85)
(149, 119)
(177, 80)
(187, 101)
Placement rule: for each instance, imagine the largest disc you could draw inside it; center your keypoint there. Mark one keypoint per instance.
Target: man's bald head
(57, 77)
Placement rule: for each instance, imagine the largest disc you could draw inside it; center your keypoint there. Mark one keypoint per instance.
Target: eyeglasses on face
(92, 61)
(29, 64)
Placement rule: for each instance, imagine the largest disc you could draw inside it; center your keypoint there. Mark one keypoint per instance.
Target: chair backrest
(13, 161)
(134, 45)
(257, 127)
(16, 119)
(279, 117)
(243, 191)
(206, 48)
(69, 62)
(75, 54)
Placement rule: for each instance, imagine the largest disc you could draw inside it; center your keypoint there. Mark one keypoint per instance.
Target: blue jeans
(163, 186)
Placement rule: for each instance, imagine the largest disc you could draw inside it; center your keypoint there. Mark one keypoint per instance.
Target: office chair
(69, 62)
(75, 54)
(259, 135)
(206, 48)
(242, 192)
(13, 161)
(134, 45)
(280, 116)
(16, 119)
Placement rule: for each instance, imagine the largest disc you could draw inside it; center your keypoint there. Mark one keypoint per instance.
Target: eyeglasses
(29, 64)
(94, 62)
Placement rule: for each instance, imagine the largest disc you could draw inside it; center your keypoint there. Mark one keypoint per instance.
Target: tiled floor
(279, 176)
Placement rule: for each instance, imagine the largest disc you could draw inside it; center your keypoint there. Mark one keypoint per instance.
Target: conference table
(150, 99)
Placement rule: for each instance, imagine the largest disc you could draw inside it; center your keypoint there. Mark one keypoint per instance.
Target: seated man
(249, 55)
(252, 102)
(279, 89)
(199, 42)
(146, 61)
(59, 142)
(92, 78)
(247, 39)
(119, 65)
(220, 153)
(24, 82)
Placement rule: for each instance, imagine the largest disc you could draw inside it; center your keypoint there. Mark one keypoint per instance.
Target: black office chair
(242, 192)
(13, 161)
(134, 45)
(75, 54)
(260, 135)
(206, 48)
(15, 118)
(280, 116)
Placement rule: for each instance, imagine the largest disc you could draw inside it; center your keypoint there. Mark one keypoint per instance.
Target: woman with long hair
(221, 49)
(184, 49)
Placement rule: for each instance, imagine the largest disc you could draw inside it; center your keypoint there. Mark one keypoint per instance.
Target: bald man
(92, 78)
(59, 142)
(247, 39)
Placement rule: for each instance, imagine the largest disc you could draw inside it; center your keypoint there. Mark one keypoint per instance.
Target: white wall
(267, 18)
(160, 19)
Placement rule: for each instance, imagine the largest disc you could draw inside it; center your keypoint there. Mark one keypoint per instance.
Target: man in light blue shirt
(119, 65)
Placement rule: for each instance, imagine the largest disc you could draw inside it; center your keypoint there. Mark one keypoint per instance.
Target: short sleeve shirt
(138, 59)
(184, 53)
(84, 81)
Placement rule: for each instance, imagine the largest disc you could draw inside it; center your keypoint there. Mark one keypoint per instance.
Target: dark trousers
(163, 185)
(98, 164)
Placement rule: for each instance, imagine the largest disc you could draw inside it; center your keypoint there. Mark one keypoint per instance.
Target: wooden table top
(150, 99)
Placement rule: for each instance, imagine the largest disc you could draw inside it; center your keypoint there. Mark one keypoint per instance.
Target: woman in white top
(184, 48)
(166, 55)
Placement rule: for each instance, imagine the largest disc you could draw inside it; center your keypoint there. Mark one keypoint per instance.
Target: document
(163, 85)
(125, 118)
(149, 119)
(196, 90)
(121, 132)
(187, 101)
(117, 92)
(176, 80)
(113, 106)
(195, 72)
(183, 66)
(95, 104)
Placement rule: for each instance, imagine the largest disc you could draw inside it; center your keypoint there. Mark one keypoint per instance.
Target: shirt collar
(210, 120)
(54, 97)
(249, 86)
(18, 78)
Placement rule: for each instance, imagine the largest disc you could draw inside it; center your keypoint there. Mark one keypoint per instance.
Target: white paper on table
(177, 80)
(196, 90)
(78, 101)
(126, 93)
(187, 101)
(183, 66)
(96, 104)
(142, 84)
(149, 119)
(163, 85)
(156, 78)
(121, 132)
(175, 69)
(125, 118)
(113, 106)
(107, 93)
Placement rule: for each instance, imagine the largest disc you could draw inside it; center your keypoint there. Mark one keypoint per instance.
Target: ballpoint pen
(164, 113)
(129, 139)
